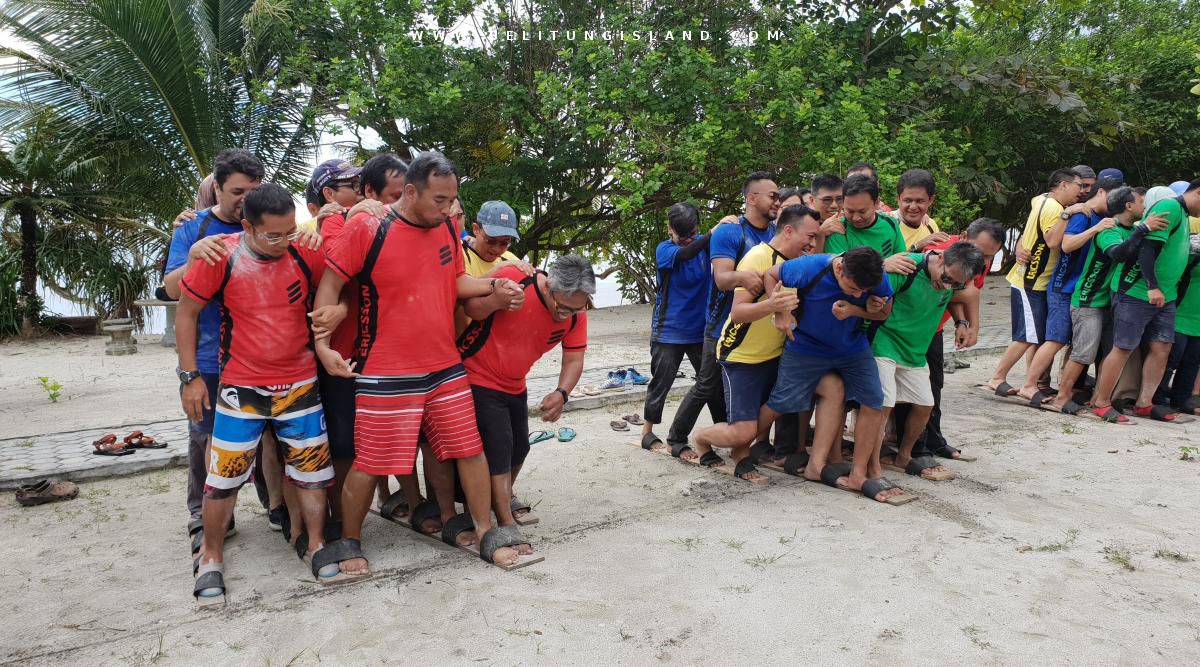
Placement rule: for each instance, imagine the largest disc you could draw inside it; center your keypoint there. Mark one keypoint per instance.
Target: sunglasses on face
(829, 200)
(501, 242)
(276, 239)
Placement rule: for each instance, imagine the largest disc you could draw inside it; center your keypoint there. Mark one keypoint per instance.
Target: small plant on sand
(1119, 556)
(761, 562)
(1167, 554)
(1189, 453)
(736, 545)
(1068, 540)
(53, 387)
(687, 543)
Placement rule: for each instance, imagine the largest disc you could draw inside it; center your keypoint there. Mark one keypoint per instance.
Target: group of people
(1105, 269)
(320, 360)
(812, 302)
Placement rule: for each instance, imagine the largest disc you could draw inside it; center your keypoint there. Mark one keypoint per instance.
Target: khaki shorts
(903, 384)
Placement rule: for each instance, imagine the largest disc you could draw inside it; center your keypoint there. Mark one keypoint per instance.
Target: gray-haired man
(501, 345)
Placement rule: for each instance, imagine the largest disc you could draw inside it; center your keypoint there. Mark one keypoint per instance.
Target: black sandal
(834, 471)
(794, 464)
(711, 459)
(210, 584)
(498, 537)
(762, 451)
(745, 467)
(388, 509)
(648, 441)
(457, 525)
(679, 448)
(423, 512)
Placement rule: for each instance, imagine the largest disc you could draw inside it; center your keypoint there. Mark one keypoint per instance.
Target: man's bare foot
(994, 385)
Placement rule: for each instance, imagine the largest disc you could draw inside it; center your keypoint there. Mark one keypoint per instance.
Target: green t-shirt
(1172, 260)
(1094, 287)
(883, 235)
(1187, 312)
(916, 313)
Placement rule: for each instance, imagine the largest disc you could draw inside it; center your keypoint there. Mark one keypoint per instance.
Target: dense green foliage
(592, 139)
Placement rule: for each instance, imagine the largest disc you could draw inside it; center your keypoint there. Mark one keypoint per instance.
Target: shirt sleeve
(1079, 223)
(348, 252)
(202, 280)
(1051, 214)
(792, 273)
(726, 242)
(664, 255)
(884, 289)
(181, 242)
(899, 242)
(332, 227)
(576, 339)
(1168, 206)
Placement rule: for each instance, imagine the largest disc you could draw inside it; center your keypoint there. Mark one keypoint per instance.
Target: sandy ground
(100, 391)
(1069, 541)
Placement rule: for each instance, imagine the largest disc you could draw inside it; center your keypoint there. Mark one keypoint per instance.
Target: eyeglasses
(497, 242)
(566, 311)
(352, 183)
(945, 281)
(276, 239)
(829, 200)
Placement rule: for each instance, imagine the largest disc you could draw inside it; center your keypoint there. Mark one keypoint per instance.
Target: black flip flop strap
(679, 448)
(873, 487)
(1111, 415)
(328, 555)
(831, 472)
(920, 464)
(711, 459)
(457, 525)
(795, 462)
(761, 450)
(498, 537)
(1161, 412)
(1038, 398)
(744, 467)
(945, 451)
(1071, 407)
(388, 508)
(212, 579)
(518, 505)
(648, 441)
(301, 544)
(423, 512)
(1002, 390)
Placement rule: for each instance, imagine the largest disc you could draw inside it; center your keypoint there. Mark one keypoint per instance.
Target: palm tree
(181, 79)
(63, 209)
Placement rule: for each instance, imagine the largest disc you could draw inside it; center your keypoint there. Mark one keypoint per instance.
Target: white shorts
(903, 384)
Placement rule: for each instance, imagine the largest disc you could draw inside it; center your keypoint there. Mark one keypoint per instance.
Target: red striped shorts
(390, 411)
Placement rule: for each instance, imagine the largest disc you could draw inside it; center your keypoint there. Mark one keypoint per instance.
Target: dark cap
(332, 170)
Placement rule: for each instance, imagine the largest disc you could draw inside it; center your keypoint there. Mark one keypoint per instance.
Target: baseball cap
(1113, 173)
(498, 219)
(1084, 171)
(332, 170)
(1179, 187)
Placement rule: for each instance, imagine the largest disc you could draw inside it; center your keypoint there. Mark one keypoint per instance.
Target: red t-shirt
(406, 293)
(978, 279)
(342, 340)
(499, 351)
(265, 336)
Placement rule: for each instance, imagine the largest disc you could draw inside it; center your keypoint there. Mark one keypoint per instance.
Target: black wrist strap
(565, 395)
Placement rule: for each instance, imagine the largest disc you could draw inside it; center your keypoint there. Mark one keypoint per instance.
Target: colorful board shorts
(391, 411)
(294, 411)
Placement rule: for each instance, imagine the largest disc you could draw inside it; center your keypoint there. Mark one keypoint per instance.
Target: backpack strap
(873, 326)
(1186, 281)
(801, 293)
(1026, 281)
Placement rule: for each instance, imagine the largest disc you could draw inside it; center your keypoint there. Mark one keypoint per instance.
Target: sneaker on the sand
(635, 377)
(616, 381)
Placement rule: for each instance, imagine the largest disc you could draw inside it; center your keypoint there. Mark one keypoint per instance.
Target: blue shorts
(747, 387)
(1029, 315)
(1058, 317)
(800, 374)
(1135, 320)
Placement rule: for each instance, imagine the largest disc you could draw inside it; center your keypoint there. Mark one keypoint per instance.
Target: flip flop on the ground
(522, 512)
(539, 436)
(46, 491)
(925, 467)
(108, 446)
(566, 434)
(793, 464)
(209, 590)
(833, 474)
(138, 440)
(945, 451)
(633, 419)
(619, 425)
(679, 450)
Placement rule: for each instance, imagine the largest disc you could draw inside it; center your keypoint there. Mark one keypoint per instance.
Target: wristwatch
(186, 377)
(565, 395)
(1065, 216)
(962, 323)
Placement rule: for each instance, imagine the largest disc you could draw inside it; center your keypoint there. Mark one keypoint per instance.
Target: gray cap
(498, 219)
(1084, 171)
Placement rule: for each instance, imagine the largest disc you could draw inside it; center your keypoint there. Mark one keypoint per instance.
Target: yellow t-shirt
(914, 234)
(476, 267)
(752, 342)
(1193, 225)
(1045, 212)
(309, 225)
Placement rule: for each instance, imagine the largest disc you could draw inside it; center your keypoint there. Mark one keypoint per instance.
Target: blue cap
(1179, 187)
(332, 170)
(498, 219)
(1114, 174)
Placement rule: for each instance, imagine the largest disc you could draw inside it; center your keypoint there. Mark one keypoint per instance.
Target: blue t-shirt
(1070, 265)
(680, 296)
(209, 343)
(730, 242)
(818, 332)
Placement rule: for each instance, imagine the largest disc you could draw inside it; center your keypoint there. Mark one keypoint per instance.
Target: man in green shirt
(1144, 304)
(901, 341)
(863, 225)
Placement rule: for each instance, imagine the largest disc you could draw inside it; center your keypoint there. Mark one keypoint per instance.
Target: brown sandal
(136, 440)
(46, 491)
(108, 446)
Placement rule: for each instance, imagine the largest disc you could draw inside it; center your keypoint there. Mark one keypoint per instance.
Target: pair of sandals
(872, 488)
(623, 423)
(563, 434)
(107, 444)
(493, 540)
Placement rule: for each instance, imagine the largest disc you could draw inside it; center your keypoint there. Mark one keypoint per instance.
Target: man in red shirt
(268, 374)
(987, 235)
(410, 377)
(500, 346)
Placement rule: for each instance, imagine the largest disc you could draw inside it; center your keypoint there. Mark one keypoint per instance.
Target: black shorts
(503, 426)
(337, 395)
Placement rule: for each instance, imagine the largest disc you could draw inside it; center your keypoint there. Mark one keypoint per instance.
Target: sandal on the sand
(515, 505)
(1156, 412)
(678, 449)
(619, 425)
(1004, 390)
(745, 467)
(762, 451)
(566, 434)
(108, 446)
(920, 464)
(1040, 396)
(711, 459)
(337, 553)
(394, 502)
(945, 451)
(794, 464)
(1071, 407)
(457, 525)
(539, 436)
(834, 471)
(1110, 414)
(46, 491)
(648, 440)
(498, 537)
(1191, 405)
(210, 585)
(423, 512)
(137, 440)
(873, 487)
(633, 419)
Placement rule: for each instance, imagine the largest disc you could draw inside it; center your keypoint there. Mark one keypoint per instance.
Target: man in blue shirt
(728, 245)
(826, 333)
(677, 328)
(237, 172)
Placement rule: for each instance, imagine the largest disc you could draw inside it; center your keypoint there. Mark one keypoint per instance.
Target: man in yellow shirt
(915, 195)
(749, 346)
(1041, 240)
(492, 233)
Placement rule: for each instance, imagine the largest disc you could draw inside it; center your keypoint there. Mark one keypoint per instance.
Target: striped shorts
(392, 410)
(294, 412)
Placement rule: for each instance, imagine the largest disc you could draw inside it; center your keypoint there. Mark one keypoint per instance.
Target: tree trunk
(29, 299)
